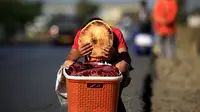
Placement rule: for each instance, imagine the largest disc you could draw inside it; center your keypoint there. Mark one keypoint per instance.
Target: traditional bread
(99, 34)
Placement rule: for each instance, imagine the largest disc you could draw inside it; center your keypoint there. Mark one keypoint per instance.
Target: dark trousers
(121, 107)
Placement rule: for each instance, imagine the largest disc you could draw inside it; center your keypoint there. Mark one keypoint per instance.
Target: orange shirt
(165, 10)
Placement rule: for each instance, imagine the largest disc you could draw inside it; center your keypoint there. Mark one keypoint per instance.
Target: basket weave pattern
(84, 99)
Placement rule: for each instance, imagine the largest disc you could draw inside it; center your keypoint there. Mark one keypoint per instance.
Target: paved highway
(28, 75)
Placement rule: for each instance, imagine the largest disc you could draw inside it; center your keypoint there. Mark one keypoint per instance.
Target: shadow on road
(147, 86)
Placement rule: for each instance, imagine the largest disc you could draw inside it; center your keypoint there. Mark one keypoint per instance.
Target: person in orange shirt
(164, 16)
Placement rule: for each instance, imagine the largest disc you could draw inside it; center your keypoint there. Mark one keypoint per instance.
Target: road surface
(28, 74)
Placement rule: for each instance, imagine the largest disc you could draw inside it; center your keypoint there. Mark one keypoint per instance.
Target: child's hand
(109, 52)
(85, 49)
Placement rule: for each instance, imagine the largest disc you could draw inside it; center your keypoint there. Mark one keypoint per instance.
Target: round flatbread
(99, 34)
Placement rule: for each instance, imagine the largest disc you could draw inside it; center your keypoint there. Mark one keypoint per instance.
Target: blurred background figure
(124, 24)
(143, 37)
(143, 18)
(164, 15)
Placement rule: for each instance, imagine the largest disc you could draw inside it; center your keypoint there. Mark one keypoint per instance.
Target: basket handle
(95, 85)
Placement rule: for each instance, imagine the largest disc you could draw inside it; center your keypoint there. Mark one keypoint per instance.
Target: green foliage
(86, 9)
(15, 13)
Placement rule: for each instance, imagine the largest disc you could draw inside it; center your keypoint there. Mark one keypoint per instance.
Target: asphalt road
(28, 75)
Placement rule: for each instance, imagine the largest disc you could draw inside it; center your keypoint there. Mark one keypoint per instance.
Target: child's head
(90, 20)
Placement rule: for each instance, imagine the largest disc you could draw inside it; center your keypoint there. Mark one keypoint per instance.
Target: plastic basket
(92, 94)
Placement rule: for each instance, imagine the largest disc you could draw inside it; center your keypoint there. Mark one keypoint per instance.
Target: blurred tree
(86, 9)
(15, 13)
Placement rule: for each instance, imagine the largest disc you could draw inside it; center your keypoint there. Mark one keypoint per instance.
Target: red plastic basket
(92, 94)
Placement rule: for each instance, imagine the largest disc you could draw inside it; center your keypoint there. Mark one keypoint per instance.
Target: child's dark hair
(91, 19)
